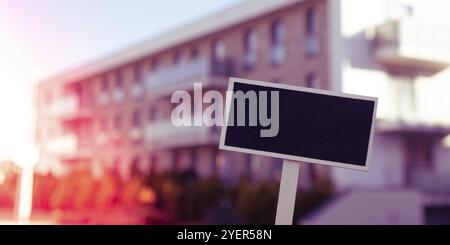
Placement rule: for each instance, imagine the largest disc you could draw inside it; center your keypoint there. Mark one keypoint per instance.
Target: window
(119, 80)
(419, 154)
(176, 58)
(312, 81)
(136, 118)
(218, 52)
(137, 73)
(153, 114)
(312, 41)
(137, 88)
(104, 84)
(250, 49)
(277, 33)
(117, 121)
(155, 64)
(194, 53)
(277, 36)
(405, 99)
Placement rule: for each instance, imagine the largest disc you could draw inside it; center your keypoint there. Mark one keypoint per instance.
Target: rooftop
(221, 20)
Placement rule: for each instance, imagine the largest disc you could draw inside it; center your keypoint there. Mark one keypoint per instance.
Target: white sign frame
(223, 133)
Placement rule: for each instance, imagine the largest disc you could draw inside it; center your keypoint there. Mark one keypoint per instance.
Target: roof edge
(222, 19)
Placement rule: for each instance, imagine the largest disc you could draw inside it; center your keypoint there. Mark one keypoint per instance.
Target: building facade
(399, 52)
(115, 113)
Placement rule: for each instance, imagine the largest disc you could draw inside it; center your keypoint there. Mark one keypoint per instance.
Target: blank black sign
(314, 126)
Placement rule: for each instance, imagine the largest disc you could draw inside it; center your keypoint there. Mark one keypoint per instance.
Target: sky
(41, 38)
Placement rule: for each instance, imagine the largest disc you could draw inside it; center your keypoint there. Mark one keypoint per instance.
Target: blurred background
(85, 108)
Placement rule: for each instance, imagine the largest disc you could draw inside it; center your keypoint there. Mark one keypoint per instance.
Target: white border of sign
(223, 133)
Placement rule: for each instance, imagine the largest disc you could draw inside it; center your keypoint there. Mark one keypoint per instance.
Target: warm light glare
(16, 78)
(446, 141)
(25, 194)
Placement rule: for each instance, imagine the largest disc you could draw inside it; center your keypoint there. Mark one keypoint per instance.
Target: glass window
(311, 22)
(419, 154)
(153, 114)
(155, 64)
(104, 84)
(250, 41)
(312, 81)
(176, 58)
(136, 118)
(312, 25)
(119, 80)
(250, 47)
(194, 53)
(277, 33)
(278, 52)
(137, 73)
(218, 50)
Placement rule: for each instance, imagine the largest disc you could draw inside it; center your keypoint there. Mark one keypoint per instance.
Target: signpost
(306, 125)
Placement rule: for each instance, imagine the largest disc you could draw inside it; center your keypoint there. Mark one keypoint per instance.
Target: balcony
(107, 139)
(69, 148)
(412, 43)
(165, 135)
(69, 109)
(81, 155)
(183, 76)
(411, 129)
(429, 181)
(403, 112)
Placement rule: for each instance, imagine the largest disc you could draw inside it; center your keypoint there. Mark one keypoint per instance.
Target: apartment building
(398, 51)
(115, 113)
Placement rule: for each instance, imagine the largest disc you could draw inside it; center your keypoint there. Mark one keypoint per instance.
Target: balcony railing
(69, 108)
(413, 43)
(183, 75)
(404, 112)
(165, 135)
(65, 144)
(68, 147)
(429, 181)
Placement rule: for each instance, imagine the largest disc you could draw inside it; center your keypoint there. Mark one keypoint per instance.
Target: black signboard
(299, 124)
